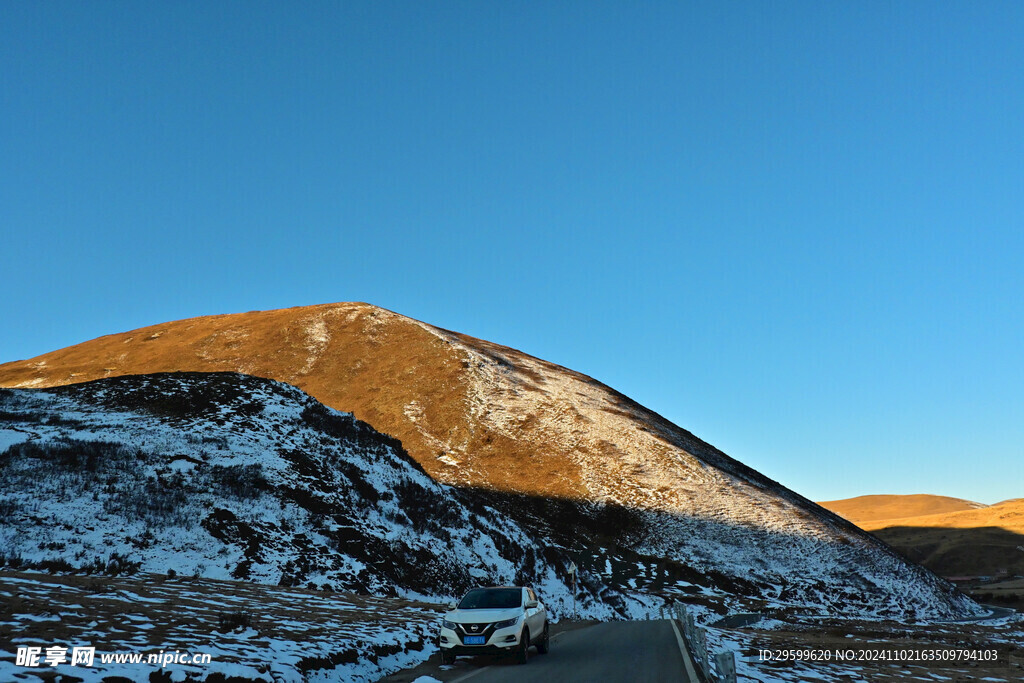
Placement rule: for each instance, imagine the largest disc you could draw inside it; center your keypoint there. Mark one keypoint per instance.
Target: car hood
(481, 616)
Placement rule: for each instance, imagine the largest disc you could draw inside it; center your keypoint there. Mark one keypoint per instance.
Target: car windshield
(492, 598)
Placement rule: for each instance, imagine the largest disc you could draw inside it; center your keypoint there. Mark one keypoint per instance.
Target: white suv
(498, 620)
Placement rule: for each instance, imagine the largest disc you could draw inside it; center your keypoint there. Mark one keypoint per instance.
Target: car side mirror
(451, 605)
(530, 604)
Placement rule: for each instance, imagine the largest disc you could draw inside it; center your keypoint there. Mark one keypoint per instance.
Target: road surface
(994, 613)
(612, 652)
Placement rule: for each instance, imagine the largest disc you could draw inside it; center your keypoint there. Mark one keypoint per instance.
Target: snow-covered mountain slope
(530, 435)
(228, 476)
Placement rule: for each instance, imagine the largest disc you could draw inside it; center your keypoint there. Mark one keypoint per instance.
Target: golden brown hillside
(957, 538)
(984, 542)
(1008, 515)
(417, 391)
(865, 511)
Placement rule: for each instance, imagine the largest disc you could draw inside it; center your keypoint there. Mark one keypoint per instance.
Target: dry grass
(868, 512)
(951, 552)
(1008, 515)
(952, 537)
(331, 352)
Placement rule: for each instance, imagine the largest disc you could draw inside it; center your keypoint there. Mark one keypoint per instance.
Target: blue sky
(795, 229)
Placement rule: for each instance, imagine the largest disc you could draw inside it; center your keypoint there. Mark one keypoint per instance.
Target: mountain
(872, 512)
(952, 537)
(631, 496)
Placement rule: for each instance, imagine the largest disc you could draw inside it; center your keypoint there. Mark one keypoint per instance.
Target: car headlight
(506, 623)
(448, 624)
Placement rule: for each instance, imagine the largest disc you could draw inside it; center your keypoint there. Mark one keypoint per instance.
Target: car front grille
(484, 630)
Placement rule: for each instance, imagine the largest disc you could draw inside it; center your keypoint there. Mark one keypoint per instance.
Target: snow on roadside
(292, 635)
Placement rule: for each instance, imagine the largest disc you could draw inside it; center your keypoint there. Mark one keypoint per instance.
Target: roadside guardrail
(697, 643)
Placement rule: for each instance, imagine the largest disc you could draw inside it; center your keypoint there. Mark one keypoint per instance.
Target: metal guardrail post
(702, 651)
(725, 663)
(697, 642)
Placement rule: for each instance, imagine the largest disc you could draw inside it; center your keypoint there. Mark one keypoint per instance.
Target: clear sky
(793, 228)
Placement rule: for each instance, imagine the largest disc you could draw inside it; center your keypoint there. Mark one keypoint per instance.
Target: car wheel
(447, 657)
(544, 644)
(523, 653)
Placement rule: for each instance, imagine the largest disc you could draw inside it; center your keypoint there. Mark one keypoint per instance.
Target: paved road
(626, 651)
(995, 613)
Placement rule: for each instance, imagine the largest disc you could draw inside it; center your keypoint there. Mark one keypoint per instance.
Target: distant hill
(545, 444)
(952, 537)
(867, 511)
